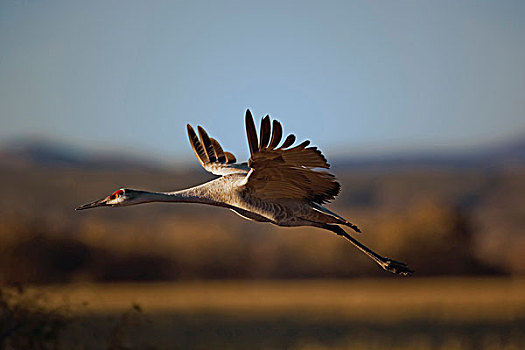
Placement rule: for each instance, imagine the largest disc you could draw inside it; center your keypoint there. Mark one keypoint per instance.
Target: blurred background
(418, 106)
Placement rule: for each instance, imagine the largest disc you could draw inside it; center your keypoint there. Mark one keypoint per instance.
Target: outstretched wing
(285, 171)
(211, 155)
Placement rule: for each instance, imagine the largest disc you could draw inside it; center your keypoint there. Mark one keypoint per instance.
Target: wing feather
(196, 146)
(251, 132)
(286, 172)
(277, 134)
(290, 139)
(208, 146)
(211, 155)
(265, 132)
(230, 158)
(219, 153)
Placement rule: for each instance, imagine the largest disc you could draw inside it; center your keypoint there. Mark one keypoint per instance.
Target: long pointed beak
(99, 203)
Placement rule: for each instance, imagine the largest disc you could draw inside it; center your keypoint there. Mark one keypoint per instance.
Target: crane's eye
(116, 194)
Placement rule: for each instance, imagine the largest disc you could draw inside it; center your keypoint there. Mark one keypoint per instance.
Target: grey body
(229, 191)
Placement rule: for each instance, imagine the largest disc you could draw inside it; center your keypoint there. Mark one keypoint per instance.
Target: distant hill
(509, 154)
(44, 153)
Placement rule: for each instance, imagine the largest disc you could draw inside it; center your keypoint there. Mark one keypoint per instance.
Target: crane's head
(120, 197)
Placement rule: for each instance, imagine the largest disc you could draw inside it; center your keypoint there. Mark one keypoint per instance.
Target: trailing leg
(388, 264)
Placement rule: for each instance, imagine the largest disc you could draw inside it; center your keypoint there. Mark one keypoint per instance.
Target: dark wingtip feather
(230, 158)
(221, 157)
(190, 130)
(208, 146)
(251, 132)
(277, 134)
(301, 145)
(196, 145)
(265, 132)
(290, 139)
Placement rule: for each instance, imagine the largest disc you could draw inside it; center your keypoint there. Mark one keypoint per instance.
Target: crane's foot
(397, 267)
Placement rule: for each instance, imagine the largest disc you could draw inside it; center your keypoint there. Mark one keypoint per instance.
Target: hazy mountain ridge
(27, 152)
(508, 154)
(46, 153)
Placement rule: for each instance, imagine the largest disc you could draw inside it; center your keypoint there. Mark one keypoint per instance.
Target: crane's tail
(397, 267)
(333, 218)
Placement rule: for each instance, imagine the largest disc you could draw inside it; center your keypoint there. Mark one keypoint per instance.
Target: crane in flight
(280, 185)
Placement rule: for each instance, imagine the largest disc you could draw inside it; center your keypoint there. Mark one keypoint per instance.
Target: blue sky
(353, 76)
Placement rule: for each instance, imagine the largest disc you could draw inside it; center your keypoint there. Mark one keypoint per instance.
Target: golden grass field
(382, 300)
(387, 313)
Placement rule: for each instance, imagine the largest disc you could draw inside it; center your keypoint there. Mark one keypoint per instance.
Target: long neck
(197, 194)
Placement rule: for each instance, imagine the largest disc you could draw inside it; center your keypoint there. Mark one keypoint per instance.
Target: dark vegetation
(25, 322)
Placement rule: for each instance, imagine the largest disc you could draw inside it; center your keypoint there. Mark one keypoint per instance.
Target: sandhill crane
(280, 185)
